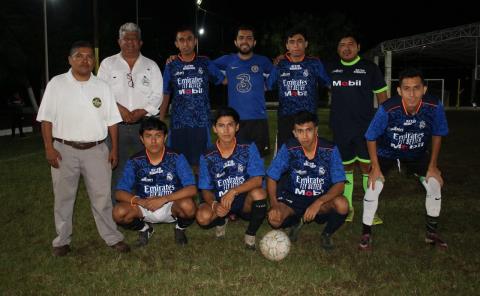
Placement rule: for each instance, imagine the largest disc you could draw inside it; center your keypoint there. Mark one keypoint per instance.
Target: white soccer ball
(275, 245)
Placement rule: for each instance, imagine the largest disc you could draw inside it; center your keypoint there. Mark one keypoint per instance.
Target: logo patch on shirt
(309, 164)
(360, 71)
(188, 67)
(240, 168)
(422, 124)
(305, 73)
(254, 68)
(97, 102)
(337, 71)
(295, 67)
(286, 74)
(200, 70)
(178, 73)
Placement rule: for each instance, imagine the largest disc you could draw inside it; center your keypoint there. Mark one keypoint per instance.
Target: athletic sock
(183, 223)
(259, 211)
(431, 224)
(367, 229)
(348, 191)
(335, 220)
(136, 224)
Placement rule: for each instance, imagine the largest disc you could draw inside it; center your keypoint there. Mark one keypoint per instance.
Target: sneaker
(351, 213)
(365, 242)
(435, 240)
(294, 231)
(250, 242)
(144, 236)
(377, 220)
(180, 237)
(61, 251)
(121, 247)
(220, 230)
(326, 242)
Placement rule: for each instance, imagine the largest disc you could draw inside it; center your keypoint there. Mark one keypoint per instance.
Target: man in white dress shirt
(77, 113)
(137, 84)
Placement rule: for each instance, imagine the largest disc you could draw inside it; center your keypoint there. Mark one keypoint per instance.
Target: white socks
(433, 199)
(370, 202)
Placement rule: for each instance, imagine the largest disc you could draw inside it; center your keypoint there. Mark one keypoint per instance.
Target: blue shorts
(237, 206)
(191, 142)
(299, 207)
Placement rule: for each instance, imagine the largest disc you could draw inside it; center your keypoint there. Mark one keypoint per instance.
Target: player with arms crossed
(315, 182)
(400, 134)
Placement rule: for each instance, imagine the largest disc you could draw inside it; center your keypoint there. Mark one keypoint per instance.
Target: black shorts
(285, 128)
(418, 166)
(191, 142)
(237, 206)
(299, 206)
(352, 147)
(255, 130)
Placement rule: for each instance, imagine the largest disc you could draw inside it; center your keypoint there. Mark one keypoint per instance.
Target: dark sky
(70, 20)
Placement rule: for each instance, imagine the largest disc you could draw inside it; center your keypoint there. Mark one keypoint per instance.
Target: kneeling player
(231, 180)
(312, 182)
(399, 135)
(157, 186)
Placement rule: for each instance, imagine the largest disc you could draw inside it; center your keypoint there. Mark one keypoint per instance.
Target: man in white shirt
(77, 113)
(137, 84)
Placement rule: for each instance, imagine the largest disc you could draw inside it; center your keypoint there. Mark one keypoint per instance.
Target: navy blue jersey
(297, 84)
(187, 83)
(404, 136)
(307, 179)
(246, 84)
(145, 180)
(353, 88)
(222, 174)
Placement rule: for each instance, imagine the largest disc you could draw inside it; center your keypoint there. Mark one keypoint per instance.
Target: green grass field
(400, 263)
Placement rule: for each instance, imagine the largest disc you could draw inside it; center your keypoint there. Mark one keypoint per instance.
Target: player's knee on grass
(433, 199)
(187, 208)
(258, 194)
(341, 205)
(204, 215)
(120, 213)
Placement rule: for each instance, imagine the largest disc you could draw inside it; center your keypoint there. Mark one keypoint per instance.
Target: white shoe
(220, 230)
(250, 241)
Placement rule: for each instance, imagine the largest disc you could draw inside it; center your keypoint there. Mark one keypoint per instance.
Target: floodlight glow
(201, 31)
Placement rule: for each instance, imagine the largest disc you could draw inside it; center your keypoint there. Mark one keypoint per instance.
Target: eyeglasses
(130, 80)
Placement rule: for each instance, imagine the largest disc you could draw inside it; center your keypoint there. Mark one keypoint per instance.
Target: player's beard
(245, 51)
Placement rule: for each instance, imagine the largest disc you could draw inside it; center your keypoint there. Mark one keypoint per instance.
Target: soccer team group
(112, 120)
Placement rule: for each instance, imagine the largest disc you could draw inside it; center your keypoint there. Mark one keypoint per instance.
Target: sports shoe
(121, 247)
(61, 251)
(180, 237)
(144, 236)
(295, 230)
(351, 213)
(365, 242)
(250, 242)
(435, 240)
(377, 220)
(220, 230)
(326, 242)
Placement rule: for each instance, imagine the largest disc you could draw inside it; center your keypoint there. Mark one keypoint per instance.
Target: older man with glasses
(137, 84)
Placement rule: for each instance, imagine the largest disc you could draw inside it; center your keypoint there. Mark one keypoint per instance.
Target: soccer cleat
(351, 213)
(326, 242)
(61, 251)
(144, 236)
(434, 239)
(365, 242)
(377, 220)
(180, 237)
(220, 230)
(250, 242)
(295, 230)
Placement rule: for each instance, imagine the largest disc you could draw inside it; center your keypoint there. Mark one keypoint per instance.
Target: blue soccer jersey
(353, 87)
(222, 174)
(246, 84)
(297, 84)
(187, 83)
(403, 136)
(145, 180)
(307, 179)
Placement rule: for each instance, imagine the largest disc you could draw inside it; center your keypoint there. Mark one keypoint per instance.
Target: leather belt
(79, 145)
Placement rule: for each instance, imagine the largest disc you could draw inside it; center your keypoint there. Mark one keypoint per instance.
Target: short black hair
(305, 117)
(245, 28)
(79, 44)
(184, 28)
(152, 123)
(410, 73)
(295, 31)
(349, 34)
(226, 111)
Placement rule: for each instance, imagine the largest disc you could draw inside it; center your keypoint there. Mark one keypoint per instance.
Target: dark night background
(22, 45)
